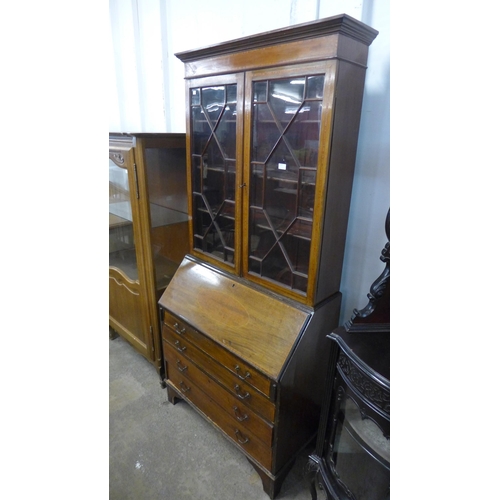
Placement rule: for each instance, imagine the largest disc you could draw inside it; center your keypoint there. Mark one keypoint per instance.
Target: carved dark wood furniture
(352, 456)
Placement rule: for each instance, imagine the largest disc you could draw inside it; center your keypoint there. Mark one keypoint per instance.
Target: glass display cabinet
(352, 456)
(148, 232)
(272, 127)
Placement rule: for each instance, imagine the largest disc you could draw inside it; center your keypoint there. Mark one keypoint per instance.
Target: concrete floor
(161, 451)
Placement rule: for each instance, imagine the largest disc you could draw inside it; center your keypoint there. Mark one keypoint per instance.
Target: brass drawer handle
(182, 331)
(178, 346)
(180, 367)
(237, 388)
(240, 435)
(184, 387)
(247, 374)
(239, 416)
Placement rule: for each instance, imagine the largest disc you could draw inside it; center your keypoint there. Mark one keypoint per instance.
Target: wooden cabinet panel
(251, 324)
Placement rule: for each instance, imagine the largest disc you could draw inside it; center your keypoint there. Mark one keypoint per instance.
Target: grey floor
(161, 451)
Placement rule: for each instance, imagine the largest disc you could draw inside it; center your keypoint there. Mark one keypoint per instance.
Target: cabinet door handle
(180, 367)
(237, 388)
(240, 437)
(184, 387)
(178, 346)
(239, 416)
(238, 369)
(180, 331)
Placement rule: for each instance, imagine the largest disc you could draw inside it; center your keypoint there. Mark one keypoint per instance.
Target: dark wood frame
(359, 368)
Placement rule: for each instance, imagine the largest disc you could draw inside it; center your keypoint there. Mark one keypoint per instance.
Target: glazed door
(127, 302)
(287, 125)
(215, 144)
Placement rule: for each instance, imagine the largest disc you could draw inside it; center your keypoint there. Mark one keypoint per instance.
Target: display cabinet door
(215, 145)
(287, 130)
(127, 310)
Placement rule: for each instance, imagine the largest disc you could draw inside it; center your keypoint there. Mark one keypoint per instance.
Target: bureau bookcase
(272, 126)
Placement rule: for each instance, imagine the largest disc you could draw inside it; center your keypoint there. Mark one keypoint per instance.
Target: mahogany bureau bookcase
(272, 127)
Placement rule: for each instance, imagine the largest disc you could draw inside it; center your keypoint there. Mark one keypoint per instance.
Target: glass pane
(285, 98)
(226, 131)
(265, 132)
(306, 193)
(212, 101)
(262, 238)
(275, 266)
(230, 180)
(286, 125)
(213, 156)
(214, 169)
(232, 93)
(166, 176)
(282, 164)
(361, 455)
(122, 252)
(195, 97)
(260, 91)
(315, 86)
(201, 130)
(256, 185)
(197, 172)
(303, 134)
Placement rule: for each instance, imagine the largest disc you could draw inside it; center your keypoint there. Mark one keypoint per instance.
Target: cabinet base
(272, 485)
(172, 396)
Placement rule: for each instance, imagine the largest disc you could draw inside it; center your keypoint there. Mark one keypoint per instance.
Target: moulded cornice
(342, 24)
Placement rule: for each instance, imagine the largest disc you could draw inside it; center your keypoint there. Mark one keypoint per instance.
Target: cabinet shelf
(164, 216)
(216, 168)
(221, 215)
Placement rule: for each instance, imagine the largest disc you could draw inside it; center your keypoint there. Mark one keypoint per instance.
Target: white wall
(147, 94)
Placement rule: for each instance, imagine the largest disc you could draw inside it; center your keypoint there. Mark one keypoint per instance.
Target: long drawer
(233, 363)
(242, 415)
(240, 435)
(245, 393)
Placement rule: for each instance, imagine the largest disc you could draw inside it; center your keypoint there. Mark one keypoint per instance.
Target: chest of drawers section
(238, 399)
(250, 362)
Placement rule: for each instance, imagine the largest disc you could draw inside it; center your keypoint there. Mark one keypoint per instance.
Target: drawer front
(239, 388)
(242, 415)
(232, 362)
(241, 436)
